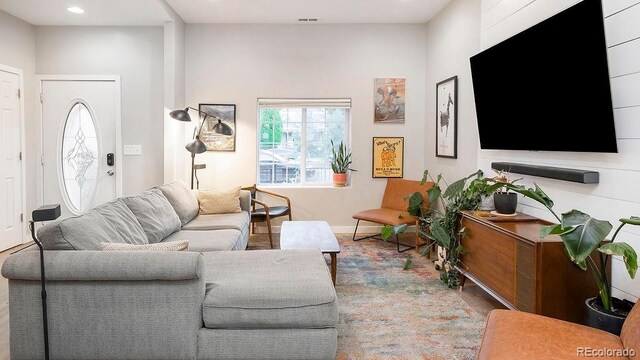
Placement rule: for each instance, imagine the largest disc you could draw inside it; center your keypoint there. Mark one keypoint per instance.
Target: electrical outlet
(134, 150)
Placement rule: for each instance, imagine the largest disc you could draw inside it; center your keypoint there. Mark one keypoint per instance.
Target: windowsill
(297, 187)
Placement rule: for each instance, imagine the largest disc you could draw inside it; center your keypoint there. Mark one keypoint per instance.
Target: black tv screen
(547, 88)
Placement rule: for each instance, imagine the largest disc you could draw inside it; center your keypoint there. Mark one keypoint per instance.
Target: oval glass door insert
(79, 158)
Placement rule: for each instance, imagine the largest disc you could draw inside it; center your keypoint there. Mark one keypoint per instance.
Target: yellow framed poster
(388, 157)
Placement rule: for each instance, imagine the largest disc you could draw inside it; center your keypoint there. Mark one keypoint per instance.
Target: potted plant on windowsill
(340, 162)
(584, 237)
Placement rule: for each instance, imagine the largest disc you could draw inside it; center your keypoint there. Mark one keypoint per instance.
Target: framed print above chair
(447, 118)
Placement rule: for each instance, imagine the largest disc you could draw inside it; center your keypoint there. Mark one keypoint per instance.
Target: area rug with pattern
(390, 313)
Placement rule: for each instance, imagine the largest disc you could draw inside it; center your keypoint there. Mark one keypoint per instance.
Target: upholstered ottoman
(268, 305)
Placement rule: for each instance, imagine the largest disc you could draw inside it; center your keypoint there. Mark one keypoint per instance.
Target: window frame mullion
(303, 148)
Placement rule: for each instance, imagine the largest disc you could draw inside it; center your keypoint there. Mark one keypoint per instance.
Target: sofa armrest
(245, 200)
(105, 266)
(107, 305)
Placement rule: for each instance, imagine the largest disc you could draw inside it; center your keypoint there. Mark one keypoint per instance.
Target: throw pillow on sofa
(219, 202)
(180, 245)
(183, 200)
(155, 214)
(112, 222)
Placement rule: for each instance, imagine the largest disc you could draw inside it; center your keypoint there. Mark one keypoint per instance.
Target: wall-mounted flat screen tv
(547, 88)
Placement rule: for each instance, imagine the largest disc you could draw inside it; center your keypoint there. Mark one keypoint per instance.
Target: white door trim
(114, 78)
(23, 169)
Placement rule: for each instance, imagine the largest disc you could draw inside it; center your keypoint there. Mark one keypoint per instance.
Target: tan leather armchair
(513, 335)
(393, 210)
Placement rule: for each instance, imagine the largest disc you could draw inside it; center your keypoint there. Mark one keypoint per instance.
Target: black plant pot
(505, 203)
(598, 318)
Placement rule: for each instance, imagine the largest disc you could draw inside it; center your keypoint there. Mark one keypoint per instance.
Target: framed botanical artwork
(389, 100)
(388, 157)
(213, 140)
(447, 118)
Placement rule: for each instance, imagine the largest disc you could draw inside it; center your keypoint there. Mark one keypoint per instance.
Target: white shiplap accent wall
(618, 193)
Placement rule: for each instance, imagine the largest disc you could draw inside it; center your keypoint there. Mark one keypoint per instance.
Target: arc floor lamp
(197, 146)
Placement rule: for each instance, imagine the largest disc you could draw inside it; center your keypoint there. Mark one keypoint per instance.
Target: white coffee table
(311, 235)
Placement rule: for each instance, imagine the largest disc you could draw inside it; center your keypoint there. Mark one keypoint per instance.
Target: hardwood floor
(475, 297)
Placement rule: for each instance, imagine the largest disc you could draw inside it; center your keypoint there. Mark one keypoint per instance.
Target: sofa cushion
(155, 214)
(178, 245)
(513, 334)
(219, 202)
(183, 200)
(268, 289)
(238, 221)
(112, 222)
(205, 241)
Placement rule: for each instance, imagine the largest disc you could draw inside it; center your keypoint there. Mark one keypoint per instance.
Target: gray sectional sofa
(207, 303)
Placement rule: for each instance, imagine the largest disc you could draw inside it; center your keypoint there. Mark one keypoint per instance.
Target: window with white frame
(294, 139)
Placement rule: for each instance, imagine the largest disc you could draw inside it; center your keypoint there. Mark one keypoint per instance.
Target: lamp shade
(196, 146)
(222, 128)
(181, 115)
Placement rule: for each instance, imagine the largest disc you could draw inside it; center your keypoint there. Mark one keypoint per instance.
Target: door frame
(116, 79)
(23, 168)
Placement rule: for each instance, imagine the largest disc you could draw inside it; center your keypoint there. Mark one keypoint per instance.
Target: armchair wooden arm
(276, 195)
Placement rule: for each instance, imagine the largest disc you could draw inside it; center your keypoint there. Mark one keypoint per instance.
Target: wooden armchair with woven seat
(265, 212)
(394, 209)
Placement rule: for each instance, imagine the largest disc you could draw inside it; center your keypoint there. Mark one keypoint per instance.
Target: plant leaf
(386, 232)
(626, 251)
(555, 229)
(574, 217)
(425, 177)
(408, 264)
(535, 194)
(434, 194)
(456, 187)
(399, 229)
(634, 220)
(415, 202)
(586, 236)
(440, 235)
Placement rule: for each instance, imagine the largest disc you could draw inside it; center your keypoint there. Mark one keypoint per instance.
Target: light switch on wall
(132, 150)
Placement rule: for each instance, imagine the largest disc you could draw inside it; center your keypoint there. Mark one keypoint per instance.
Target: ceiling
(289, 11)
(97, 12)
(153, 12)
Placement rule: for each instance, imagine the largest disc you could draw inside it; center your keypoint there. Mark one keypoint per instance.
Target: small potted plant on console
(340, 162)
(505, 201)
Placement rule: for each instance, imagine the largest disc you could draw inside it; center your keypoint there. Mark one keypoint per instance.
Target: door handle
(110, 172)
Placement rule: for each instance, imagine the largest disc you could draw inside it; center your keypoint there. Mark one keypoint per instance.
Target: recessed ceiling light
(75, 10)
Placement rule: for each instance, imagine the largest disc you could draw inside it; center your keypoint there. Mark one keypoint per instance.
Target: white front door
(80, 154)
(10, 162)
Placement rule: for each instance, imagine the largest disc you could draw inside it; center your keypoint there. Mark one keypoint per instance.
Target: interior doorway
(12, 197)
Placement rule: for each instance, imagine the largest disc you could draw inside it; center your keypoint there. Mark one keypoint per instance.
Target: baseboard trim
(362, 229)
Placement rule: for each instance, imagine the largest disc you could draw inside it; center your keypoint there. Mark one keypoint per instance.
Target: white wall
(617, 194)
(452, 37)
(237, 64)
(174, 72)
(135, 53)
(17, 49)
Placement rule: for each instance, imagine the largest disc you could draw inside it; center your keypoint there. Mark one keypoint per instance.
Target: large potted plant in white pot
(586, 245)
(340, 162)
